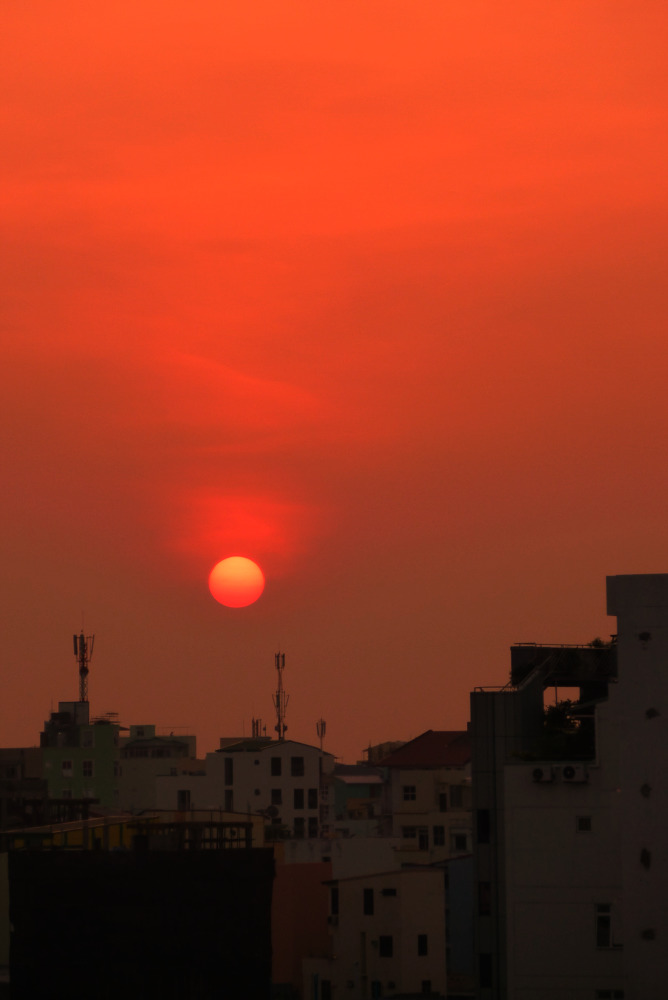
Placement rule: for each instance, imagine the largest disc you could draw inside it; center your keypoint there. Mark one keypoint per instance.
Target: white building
(571, 812)
(283, 780)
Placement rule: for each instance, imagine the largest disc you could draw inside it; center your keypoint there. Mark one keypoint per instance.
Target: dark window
(229, 800)
(299, 827)
(334, 900)
(423, 946)
(459, 842)
(87, 768)
(410, 793)
(485, 970)
(313, 798)
(483, 824)
(297, 767)
(183, 800)
(388, 892)
(409, 832)
(423, 838)
(583, 824)
(368, 902)
(484, 898)
(385, 946)
(376, 989)
(275, 767)
(439, 836)
(313, 826)
(229, 771)
(603, 926)
(276, 797)
(442, 802)
(298, 798)
(325, 989)
(456, 796)
(426, 985)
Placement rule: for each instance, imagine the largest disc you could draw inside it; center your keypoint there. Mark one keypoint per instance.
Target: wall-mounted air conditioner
(544, 773)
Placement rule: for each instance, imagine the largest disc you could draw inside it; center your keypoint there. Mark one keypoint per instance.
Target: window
(438, 836)
(442, 802)
(583, 824)
(183, 800)
(368, 903)
(257, 791)
(118, 770)
(87, 768)
(426, 985)
(299, 827)
(609, 994)
(297, 767)
(276, 797)
(422, 944)
(313, 826)
(484, 824)
(67, 793)
(385, 946)
(325, 989)
(423, 838)
(87, 738)
(313, 798)
(484, 898)
(275, 767)
(456, 796)
(298, 798)
(334, 900)
(409, 793)
(66, 768)
(229, 771)
(459, 842)
(256, 761)
(388, 892)
(409, 832)
(485, 970)
(603, 925)
(229, 800)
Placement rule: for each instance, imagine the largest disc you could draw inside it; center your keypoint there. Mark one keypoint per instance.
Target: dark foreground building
(143, 924)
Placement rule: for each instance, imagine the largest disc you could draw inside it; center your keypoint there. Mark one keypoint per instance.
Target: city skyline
(372, 295)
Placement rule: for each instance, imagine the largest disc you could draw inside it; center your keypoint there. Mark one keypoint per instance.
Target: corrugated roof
(435, 748)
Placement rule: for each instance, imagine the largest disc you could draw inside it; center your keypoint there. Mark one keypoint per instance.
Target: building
(81, 755)
(571, 809)
(144, 756)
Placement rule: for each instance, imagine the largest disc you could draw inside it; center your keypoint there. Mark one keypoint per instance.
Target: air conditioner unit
(541, 774)
(574, 773)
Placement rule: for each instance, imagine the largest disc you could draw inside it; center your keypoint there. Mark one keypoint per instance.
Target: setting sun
(236, 582)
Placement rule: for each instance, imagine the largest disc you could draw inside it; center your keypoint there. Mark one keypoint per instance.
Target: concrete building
(144, 756)
(571, 809)
(80, 755)
(430, 796)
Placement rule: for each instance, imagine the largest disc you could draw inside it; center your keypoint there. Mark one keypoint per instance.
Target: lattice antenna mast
(83, 650)
(321, 729)
(280, 699)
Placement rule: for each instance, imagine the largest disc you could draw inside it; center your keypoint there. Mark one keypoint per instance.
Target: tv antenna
(280, 699)
(83, 650)
(321, 729)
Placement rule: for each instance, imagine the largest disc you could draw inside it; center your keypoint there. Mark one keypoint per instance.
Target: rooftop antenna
(280, 699)
(321, 729)
(83, 650)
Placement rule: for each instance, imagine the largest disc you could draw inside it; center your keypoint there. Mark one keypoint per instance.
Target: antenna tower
(83, 650)
(321, 729)
(280, 699)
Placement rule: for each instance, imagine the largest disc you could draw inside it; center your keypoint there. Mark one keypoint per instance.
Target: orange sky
(373, 293)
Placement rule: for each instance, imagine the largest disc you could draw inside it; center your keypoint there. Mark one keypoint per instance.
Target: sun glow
(236, 582)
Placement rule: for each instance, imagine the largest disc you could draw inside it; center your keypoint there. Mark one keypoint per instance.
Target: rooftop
(435, 748)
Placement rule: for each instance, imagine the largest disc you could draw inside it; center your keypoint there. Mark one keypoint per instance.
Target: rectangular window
(442, 802)
(299, 827)
(583, 824)
(459, 843)
(438, 836)
(275, 767)
(66, 768)
(409, 832)
(313, 826)
(422, 944)
(229, 800)
(388, 892)
(87, 738)
(276, 797)
(484, 898)
(603, 925)
(409, 793)
(313, 798)
(87, 768)
(118, 770)
(456, 796)
(334, 901)
(385, 946)
(485, 970)
(423, 838)
(229, 771)
(325, 989)
(483, 825)
(368, 903)
(297, 767)
(67, 793)
(298, 798)
(426, 986)
(183, 800)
